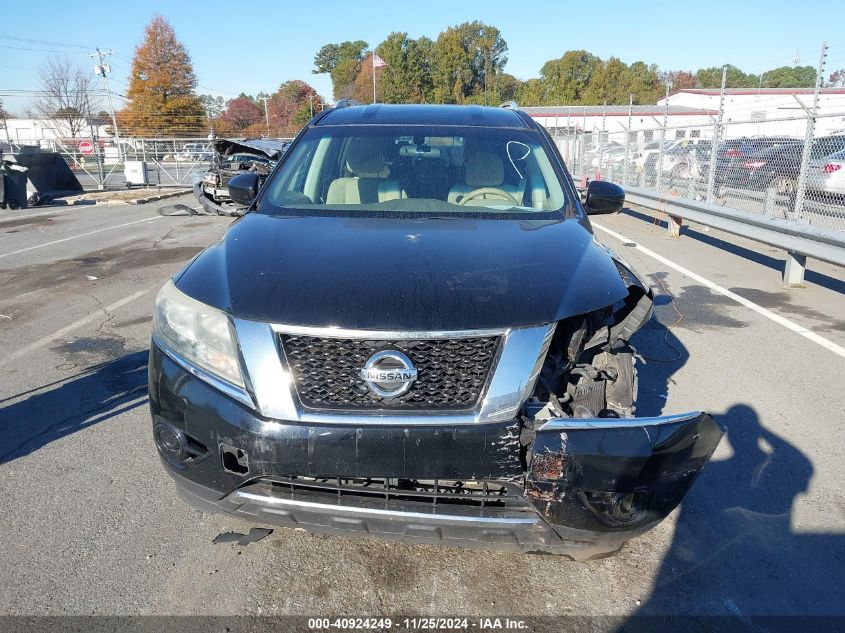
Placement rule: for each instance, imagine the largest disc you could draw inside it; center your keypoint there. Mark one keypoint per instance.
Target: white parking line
(789, 325)
(74, 237)
(73, 326)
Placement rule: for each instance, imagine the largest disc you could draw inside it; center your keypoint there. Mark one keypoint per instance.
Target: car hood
(270, 148)
(404, 274)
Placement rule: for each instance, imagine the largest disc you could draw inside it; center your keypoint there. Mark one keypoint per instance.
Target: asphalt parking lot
(91, 523)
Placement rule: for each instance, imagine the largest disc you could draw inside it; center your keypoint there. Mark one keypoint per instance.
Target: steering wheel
(491, 191)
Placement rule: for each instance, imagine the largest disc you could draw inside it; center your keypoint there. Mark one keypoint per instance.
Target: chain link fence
(790, 167)
(100, 163)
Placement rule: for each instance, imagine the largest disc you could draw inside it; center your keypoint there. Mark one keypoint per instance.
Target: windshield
(246, 158)
(418, 169)
(826, 146)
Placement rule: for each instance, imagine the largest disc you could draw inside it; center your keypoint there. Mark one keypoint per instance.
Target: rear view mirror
(243, 188)
(603, 197)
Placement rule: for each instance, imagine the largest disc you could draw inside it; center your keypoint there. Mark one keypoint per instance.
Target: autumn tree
(162, 101)
(240, 113)
(68, 97)
(837, 78)
(681, 79)
(342, 62)
(290, 107)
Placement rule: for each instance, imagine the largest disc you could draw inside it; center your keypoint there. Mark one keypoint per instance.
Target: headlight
(197, 332)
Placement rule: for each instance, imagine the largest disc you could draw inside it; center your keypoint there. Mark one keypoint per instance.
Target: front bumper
(589, 486)
(211, 199)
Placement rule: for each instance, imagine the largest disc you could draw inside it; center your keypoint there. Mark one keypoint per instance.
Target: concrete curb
(152, 198)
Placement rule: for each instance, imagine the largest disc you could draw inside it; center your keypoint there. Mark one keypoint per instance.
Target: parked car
(733, 153)
(774, 167)
(650, 149)
(195, 152)
(233, 157)
(683, 157)
(827, 175)
(824, 146)
(412, 333)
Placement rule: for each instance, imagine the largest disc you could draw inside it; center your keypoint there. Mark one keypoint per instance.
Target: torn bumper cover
(600, 479)
(591, 485)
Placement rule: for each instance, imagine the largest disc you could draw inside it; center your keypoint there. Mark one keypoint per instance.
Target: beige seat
(368, 183)
(484, 169)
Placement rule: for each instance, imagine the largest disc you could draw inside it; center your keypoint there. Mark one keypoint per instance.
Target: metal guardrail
(798, 239)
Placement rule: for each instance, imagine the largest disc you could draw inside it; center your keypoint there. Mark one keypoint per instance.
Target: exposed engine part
(590, 368)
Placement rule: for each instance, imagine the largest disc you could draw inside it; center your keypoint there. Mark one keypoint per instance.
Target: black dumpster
(13, 191)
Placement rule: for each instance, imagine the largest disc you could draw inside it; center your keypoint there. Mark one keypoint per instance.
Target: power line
(38, 50)
(46, 42)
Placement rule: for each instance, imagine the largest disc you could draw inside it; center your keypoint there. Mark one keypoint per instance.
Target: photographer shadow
(735, 551)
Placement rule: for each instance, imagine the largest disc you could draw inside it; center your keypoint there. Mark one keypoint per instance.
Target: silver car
(827, 175)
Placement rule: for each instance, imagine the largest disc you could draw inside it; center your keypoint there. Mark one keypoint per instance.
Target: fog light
(170, 442)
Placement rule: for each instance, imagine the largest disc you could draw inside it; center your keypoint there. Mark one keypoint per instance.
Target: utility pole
(627, 140)
(602, 139)
(102, 69)
(801, 186)
(266, 115)
(659, 178)
(717, 133)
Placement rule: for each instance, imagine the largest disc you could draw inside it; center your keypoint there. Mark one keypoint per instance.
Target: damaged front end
(601, 482)
(597, 474)
(231, 158)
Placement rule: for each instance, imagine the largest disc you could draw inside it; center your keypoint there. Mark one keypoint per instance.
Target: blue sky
(254, 46)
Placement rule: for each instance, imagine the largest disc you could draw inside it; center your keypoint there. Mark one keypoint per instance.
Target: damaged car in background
(233, 157)
(413, 334)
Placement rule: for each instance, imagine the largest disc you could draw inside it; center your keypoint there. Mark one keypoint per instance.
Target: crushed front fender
(607, 479)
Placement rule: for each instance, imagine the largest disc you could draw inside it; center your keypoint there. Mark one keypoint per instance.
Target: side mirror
(243, 188)
(603, 197)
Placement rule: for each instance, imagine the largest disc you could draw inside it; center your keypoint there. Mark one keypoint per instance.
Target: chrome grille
(452, 373)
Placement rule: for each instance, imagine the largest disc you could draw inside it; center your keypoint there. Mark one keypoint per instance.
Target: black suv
(413, 334)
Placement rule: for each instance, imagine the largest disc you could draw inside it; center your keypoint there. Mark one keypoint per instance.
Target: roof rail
(510, 105)
(346, 103)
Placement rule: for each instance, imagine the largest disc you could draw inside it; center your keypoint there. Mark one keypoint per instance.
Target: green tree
(465, 59)
(342, 62)
(644, 83)
(507, 88)
(565, 80)
(162, 101)
(789, 77)
(407, 76)
(736, 78)
(609, 84)
(531, 93)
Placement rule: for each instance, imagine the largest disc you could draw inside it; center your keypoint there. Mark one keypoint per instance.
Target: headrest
(363, 159)
(484, 169)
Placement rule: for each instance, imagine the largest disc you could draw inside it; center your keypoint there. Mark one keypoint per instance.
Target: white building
(611, 122)
(44, 132)
(768, 111)
(692, 114)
